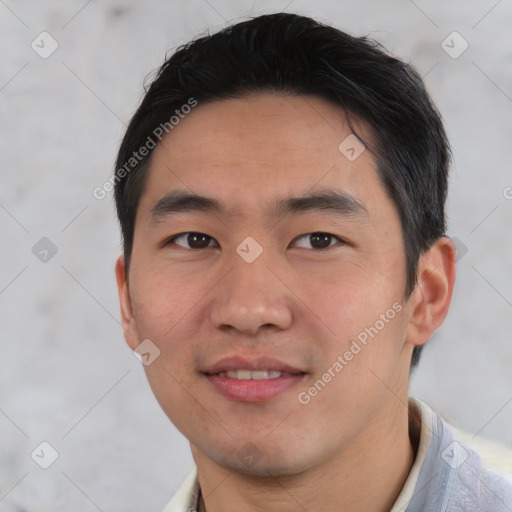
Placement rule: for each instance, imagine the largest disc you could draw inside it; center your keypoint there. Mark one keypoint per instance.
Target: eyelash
(186, 233)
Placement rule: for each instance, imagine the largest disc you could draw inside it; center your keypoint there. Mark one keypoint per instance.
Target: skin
(349, 447)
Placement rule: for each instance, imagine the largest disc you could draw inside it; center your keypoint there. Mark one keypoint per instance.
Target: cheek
(166, 306)
(165, 309)
(361, 312)
(346, 298)
(162, 298)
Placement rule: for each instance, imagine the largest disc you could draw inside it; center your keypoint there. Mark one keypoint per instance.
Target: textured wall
(66, 376)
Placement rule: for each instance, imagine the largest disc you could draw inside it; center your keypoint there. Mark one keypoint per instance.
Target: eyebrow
(325, 200)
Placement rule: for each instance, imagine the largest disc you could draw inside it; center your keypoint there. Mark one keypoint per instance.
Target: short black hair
(292, 54)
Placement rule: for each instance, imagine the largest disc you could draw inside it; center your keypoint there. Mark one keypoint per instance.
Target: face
(290, 263)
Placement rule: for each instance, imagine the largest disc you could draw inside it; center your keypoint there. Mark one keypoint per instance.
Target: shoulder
(479, 488)
(461, 480)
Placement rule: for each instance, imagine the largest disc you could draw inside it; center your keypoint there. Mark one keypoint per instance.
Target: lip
(253, 391)
(259, 363)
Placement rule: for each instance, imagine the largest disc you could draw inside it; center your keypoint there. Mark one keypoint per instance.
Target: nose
(251, 299)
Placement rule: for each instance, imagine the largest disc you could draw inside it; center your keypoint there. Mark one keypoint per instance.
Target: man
(281, 194)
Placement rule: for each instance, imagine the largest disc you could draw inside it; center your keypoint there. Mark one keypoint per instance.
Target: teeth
(240, 374)
(248, 374)
(259, 374)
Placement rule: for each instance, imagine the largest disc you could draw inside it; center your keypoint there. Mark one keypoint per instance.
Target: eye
(316, 240)
(192, 240)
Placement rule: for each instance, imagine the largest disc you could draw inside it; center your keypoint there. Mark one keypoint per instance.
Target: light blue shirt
(447, 476)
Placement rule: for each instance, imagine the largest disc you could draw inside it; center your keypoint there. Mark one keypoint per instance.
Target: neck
(366, 476)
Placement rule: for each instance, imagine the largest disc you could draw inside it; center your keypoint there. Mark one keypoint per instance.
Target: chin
(263, 468)
(251, 461)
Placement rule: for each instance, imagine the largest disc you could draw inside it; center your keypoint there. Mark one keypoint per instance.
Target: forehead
(246, 150)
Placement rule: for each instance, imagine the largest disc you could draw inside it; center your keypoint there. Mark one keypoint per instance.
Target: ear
(129, 324)
(431, 298)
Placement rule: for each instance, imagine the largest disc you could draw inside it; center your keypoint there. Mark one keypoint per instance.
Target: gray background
(66, 375)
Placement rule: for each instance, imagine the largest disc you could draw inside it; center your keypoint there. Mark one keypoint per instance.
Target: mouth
(255, 381)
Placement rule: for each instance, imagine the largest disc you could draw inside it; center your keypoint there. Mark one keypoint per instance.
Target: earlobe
(127, 319)
(432, 295)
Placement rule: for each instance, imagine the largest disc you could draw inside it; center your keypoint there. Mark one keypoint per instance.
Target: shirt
(446, 476)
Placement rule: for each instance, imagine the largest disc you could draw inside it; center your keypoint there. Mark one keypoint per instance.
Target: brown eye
(317, 240)
(320, 240)
(192, 240)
